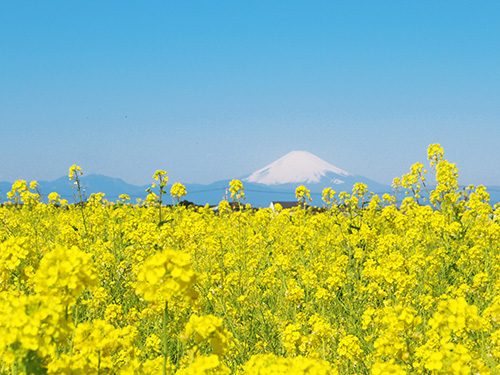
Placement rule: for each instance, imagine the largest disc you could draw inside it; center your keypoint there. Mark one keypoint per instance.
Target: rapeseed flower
(166, 276)
(370, 285)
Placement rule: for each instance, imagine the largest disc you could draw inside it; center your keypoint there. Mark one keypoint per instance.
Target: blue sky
(215, 90)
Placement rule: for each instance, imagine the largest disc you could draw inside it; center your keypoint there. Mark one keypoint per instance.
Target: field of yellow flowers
(363, 286)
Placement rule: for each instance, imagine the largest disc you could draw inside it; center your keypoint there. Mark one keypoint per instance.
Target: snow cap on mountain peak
(295, 167)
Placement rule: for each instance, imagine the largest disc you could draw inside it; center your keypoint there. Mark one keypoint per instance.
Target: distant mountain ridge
(275, 182)
(93, 183)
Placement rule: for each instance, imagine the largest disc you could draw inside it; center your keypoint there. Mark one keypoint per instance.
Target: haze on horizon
(210, 91)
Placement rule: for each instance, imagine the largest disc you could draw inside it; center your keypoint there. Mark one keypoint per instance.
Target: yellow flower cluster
(270, 364)
(177, 191)
(237, 190)
(365, 286)
(208, 328)
(303, 194)
(63, 274)
(165, 276)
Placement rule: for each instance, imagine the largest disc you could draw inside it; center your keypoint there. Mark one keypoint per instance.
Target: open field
(362, 287)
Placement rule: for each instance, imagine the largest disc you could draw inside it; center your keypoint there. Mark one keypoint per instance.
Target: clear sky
(211, 90)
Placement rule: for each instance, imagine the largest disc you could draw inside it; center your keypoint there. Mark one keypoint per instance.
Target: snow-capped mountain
(296, 167)
(278, 180)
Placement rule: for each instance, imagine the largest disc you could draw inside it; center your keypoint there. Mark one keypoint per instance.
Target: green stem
(81, 203)
(164, 322)
(160, 207)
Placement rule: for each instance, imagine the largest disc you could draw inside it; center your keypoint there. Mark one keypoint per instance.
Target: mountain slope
(303, 168)
(295, 167)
